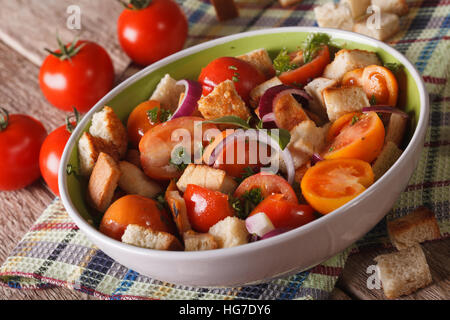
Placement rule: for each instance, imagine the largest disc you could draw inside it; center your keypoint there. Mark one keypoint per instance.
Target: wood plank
(19, 209)
(338, 294)
(354, 277)
(34, 27)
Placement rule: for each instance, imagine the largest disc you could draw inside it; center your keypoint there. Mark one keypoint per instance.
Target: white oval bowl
(285, 254)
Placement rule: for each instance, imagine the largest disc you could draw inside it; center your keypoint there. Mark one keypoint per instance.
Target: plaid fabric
(55, 253)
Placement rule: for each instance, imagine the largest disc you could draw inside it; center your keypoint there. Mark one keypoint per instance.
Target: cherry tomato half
(139, 122)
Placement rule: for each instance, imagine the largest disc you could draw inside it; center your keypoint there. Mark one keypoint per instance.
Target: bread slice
(288, 112)
(389, 25)
(177, 206)
(206, 177)
(103, 182)
(225, 9)
(147, 238)
(396, 129)
(418, 226)
(331, 15)
(399, 7)
(357, 7)
(315, 90)
(107, 126)
(388, 156)
(259, 59)
(194, 241)
(347, 60)
(89, 148)
(403, 272)
(259, 90)
(167, 92)
(340, 101)
(134, 181)
(230, 232)
(287, 3)
(223, 101)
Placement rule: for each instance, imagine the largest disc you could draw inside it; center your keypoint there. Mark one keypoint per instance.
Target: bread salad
(252, 148)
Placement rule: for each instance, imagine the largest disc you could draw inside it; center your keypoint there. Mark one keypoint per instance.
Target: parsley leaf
(393, 66)
(355, 119)
(313, 43)
(165, 115)
(248, 172)
(245, 205)
(373, 100)
(153, 115)
(161, 202)
(178, 159)
(282, 62)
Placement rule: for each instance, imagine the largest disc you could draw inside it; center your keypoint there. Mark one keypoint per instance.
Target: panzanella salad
(252, 148)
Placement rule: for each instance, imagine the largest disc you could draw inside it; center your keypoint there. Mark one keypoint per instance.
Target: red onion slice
(315, 158)
(385, 109)
(274, 232)
(191, 96)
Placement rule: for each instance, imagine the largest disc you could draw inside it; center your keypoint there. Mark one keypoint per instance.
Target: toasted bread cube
(399, 7)
(306, 139)
(418, 226)
(259, 59)
(340, 101)
(194, 241)
(259, 90)
(147, 238)
(388, 156)
(396, 129)
(134, 181)
(358, 8)
(287, 3)
(331, 15)
(177, 206)
(348, 60)
(107, 126)
(389, 26)
(89, 148)
(315, 90)
(168, 93)
(103, 182)
(403, 272)
(225, 9)
(206, 177)
(288, 112)
(230, 232)
(223, 101)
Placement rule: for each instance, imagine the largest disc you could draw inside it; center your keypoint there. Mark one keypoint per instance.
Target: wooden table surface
(24, 33)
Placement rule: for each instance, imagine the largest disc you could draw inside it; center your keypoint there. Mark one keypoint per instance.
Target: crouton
(331, 15)
(206, 177)
(223, 101)
(315, 89)
(418, 226)
(167, 92)
(230, 232)
(403, 272)
(340, 101)
(388, 156)
(259, 90)
(194, 241)
(306, 139)
(134, 181)
(177, 206)
(107, 126)
(103, 182)
(357, 7)
(396, 129)
(260, 60)
(288, 112)
(347, 60)
(399, 7)
(389, 25)
(225, 9)
(147, 238)
(89, 148)
(133, 156)
(287, 3)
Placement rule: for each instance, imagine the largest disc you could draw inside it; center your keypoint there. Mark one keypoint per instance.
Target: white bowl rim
(258, 245)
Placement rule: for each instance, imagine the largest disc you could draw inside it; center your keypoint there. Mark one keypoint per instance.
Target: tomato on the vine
(150, 30)
(21, 137)
(77, 75)
(51, 153)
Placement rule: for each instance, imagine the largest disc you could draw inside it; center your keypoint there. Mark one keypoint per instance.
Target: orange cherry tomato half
(284, 214)
(332, 183)
(139, 122)
(310, 70)
(360, 136)
(353, 78)
(205, 207)
(135, 209)
(269, 184)
(380, 82)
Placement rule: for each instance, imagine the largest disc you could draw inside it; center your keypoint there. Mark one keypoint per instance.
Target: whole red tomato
(243, 74)
(51, 153)
(21, 137)
(152, 30)
(78, 77)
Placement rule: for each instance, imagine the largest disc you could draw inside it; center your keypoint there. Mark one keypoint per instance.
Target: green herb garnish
(355, 119)
(232, 68)
(248, 172)
(153, 115)
(179, 158)
(312, 44)
(245, 205)
(165, 115)
(282, 62)
(373, 100)
(393, 66)
(161, 202)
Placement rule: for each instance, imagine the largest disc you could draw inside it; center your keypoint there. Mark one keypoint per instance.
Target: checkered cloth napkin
(55, 253)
